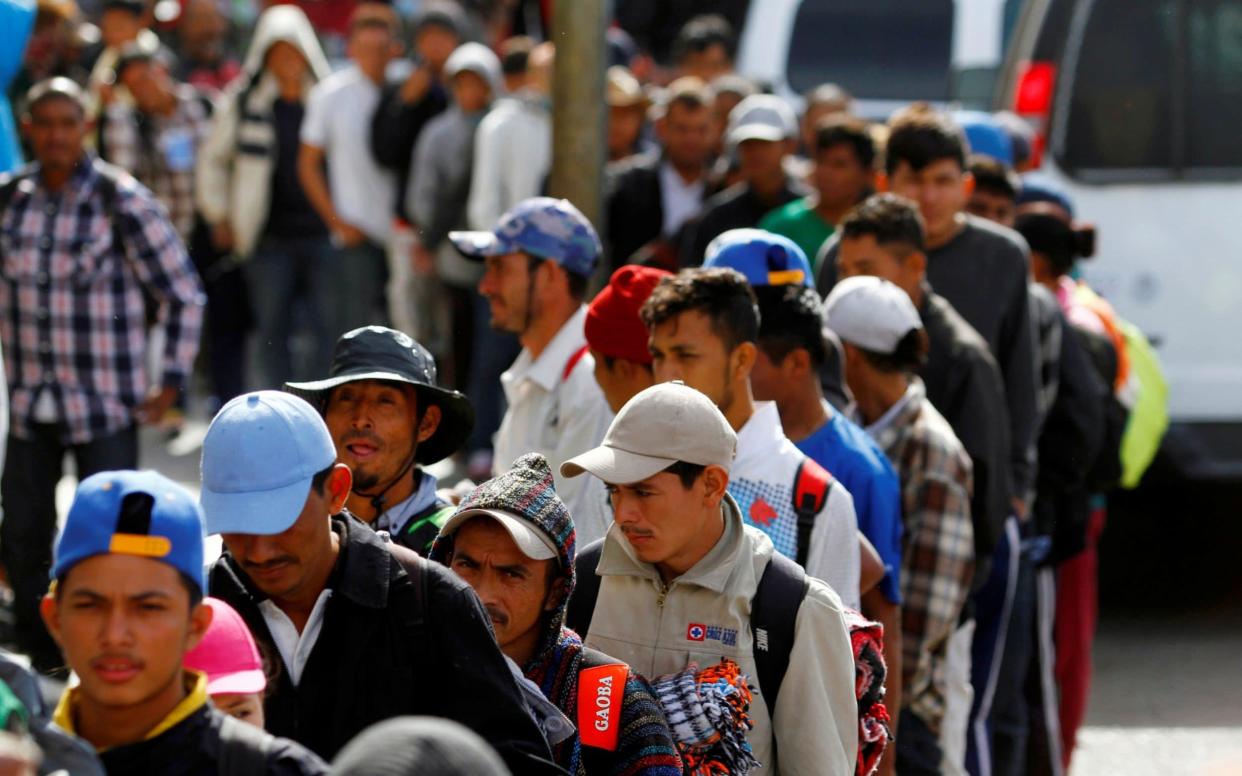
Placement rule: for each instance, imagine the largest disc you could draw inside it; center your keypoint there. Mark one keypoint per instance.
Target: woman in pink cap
(230, 658)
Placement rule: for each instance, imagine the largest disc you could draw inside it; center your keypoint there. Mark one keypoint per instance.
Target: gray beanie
(426, 746)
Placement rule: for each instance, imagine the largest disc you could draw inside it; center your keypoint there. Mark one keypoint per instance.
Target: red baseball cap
(227, 654)
(613, 327)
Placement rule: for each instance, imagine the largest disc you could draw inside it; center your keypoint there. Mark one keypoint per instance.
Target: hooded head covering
(525, 492)
(480, 60)
(288, 24)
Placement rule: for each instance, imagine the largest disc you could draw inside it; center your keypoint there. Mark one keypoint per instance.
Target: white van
(1139, 108)
(887, 53)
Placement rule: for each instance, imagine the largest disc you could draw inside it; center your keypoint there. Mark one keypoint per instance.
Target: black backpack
(773, 613)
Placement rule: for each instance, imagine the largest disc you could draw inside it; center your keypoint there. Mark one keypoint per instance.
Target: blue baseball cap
(766, 259)
(541, 226)
(986, 135)
(259, 456)
(133, 513)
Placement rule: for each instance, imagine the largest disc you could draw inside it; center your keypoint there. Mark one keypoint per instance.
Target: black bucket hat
(379, 353)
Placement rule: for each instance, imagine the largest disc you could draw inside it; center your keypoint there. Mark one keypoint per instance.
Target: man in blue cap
(538, 260)
(791, 353)
(363, 630)
(126, 606)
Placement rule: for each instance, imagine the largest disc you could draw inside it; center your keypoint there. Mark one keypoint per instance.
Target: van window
(1214, 83)
(1156, 90)
(1121, 107)
(878, 49)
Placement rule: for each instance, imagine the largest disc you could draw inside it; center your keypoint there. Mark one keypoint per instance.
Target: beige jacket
(233, 178)
(649, 625)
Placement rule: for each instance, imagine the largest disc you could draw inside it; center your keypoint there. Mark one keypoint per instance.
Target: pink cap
(227, 654)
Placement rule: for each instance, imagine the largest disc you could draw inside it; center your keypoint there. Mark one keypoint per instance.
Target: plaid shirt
(160, 151)
(72, 315)
(938, 548)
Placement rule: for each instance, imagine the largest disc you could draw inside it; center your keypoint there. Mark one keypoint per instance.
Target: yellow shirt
(196, 696)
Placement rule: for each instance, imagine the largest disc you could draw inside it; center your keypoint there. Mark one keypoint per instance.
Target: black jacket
(192, 748)
(737, 207)
(395, 128)
(635, 207)
(389, 647)
(964, 384)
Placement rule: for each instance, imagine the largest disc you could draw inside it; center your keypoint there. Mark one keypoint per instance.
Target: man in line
(843, 175)
(85, 244)
(704, 324)
(126, 606)
(884, 344)
(884, 237)
(352, 194)
(362, 630)
(156, 138)
(251, 198)
(512, 540)
(388, 419)
(763, 131)
(616, 336)
(652, 197)
(538, 260)
(679, 568)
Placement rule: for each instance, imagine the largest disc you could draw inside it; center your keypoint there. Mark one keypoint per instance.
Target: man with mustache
(126, 606)
(513, 541)
(362, 629)
(388, 418)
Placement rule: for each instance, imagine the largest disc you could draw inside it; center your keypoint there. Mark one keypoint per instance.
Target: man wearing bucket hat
(388, 417)
(538, 260)
(363, 629)
(513, 541)
(126, 605)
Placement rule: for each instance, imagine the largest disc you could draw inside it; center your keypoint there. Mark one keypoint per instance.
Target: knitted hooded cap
(526, 491)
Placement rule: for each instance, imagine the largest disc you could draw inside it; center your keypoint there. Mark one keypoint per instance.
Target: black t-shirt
(291, 214)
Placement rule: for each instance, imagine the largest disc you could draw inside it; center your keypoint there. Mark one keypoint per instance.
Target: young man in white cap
(681, 578)
(704, 326)
(884, 344)
(762, 131)
(538, 259)
(363, 629)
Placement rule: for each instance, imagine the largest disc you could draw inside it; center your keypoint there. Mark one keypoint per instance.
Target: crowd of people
(794, 463)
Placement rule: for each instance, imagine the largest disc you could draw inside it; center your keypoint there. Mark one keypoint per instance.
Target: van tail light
(1033, 102)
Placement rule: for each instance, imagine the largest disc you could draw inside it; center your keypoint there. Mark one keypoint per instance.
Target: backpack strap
(423, 527)
(810, 493)
(773, 614)
(581, 605)
(573, 362)
(244, 748)
(416, 569)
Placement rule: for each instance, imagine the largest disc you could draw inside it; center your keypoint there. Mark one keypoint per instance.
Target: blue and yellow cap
(766, 259)
(133, 513)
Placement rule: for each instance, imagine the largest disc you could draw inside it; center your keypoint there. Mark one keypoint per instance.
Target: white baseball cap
(762, 117)
(660, 426)
(870, 313)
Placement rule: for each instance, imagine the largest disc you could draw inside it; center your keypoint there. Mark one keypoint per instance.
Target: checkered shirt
(938, 547)
(72, 315)
(145, 146)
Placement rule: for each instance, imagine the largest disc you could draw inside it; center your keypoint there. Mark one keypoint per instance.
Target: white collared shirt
(762, 483)
(682, 201)
(295, 648)
(558, 416)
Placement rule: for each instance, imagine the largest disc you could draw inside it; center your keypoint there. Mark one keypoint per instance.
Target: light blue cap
(133, 513)
(765, 258)
(541, 226)
(261, 452)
